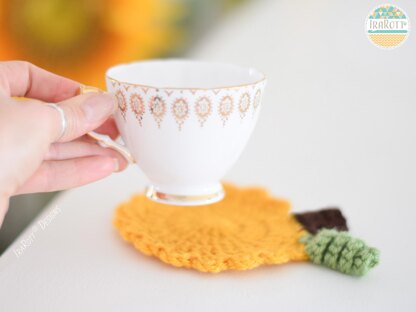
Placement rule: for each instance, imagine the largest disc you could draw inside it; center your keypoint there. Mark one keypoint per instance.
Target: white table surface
(337, 128)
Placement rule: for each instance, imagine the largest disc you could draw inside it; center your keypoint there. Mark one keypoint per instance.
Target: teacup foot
(158, 195)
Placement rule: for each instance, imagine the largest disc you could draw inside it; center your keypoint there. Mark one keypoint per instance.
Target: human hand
(31, 160)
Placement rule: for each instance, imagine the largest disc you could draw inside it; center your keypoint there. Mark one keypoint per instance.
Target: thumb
(83, 113)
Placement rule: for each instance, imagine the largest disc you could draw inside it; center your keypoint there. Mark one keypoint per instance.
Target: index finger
(19, 78)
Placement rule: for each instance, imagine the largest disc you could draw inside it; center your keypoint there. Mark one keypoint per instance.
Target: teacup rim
(233, 86)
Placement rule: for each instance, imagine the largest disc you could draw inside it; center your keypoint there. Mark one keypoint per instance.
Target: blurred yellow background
(80, 39)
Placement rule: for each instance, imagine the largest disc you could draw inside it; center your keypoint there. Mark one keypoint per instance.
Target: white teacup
(184, 123)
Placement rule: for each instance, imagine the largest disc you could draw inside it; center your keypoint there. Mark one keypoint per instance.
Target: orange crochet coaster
(246, 229)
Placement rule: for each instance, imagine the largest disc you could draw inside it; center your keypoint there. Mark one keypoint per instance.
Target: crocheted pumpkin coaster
(246, 229)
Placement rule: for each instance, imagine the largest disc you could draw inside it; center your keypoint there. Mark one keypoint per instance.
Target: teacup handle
(102, 139)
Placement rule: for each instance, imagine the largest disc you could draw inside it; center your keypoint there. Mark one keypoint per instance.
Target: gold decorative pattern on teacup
(183, 105)
(244, 104)
(203, 108)
(180, 110)
(121, 99)
(114, 83)
(157, 108)
(169, 92)
(257, 100)
(137, 106)
(225, 108)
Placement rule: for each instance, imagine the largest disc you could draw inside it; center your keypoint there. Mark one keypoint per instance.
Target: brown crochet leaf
(329, 218)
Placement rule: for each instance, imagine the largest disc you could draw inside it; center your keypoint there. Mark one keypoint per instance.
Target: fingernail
(99, 106)
(116, 165)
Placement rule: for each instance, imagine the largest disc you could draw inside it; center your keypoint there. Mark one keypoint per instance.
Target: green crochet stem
(339, 251)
